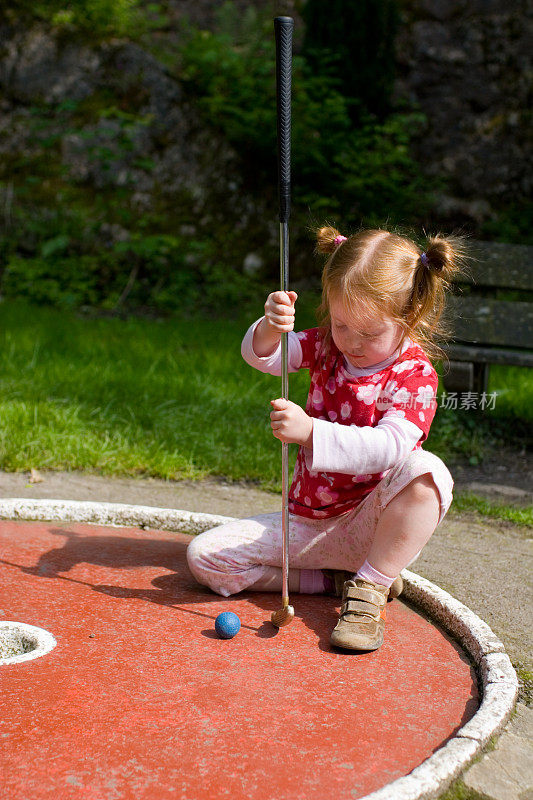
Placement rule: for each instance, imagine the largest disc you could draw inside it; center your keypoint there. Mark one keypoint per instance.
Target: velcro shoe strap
(368, 595)
(360, 607)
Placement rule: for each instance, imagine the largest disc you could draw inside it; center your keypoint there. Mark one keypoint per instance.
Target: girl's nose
(355, 344)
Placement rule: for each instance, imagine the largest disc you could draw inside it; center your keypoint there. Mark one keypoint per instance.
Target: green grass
(525, 680)
(173, 399)
(170, 399)
(471, 502)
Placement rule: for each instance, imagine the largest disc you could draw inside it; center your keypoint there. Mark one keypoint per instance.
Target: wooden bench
(491, 313)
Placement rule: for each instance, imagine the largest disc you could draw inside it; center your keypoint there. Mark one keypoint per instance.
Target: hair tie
(424, 260)
(338, 240)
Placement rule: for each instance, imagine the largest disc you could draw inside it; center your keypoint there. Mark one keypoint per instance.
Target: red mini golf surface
(140, 699)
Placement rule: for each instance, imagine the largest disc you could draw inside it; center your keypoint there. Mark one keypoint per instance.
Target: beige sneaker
(396, 589)
(362, 619)
(339, 577)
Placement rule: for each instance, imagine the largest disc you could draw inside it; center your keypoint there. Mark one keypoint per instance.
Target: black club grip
(283, 27)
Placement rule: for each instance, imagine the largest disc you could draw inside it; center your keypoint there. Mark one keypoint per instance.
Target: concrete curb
(497, 678)
(115, 514)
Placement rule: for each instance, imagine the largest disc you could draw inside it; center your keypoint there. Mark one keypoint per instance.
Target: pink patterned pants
(233, 557)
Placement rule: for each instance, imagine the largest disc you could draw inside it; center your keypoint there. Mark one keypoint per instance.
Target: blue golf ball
(227, 625)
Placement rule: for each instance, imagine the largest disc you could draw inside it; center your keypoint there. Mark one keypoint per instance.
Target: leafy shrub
(65, 282)
(56, 248)
(96, 17)
(362, 171)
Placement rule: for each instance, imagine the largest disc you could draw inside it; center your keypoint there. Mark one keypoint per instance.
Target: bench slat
(488, 355)
(507, 266)
(492, 322)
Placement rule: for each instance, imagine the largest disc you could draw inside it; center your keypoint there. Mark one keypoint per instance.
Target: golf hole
(20, 642)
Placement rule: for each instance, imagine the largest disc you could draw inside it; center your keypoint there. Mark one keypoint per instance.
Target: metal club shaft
(283, 27)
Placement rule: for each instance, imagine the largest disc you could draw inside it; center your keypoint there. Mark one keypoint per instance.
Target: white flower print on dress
(368, 393)
(332, 415)
(330, 385)
(346, 410)
(318, 399)
(297, 489)
(428, 370)
(425, 396)
(301, 335)
(326, 496)
(402, 395)
(384, 400)
(421, 416)
(403, 365)
(361, 478)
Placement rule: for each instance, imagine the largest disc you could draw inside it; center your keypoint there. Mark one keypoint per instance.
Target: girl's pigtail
(328, 239)
(436, 268)
(444, 257)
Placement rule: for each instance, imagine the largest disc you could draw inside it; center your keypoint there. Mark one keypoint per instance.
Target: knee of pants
(419, 462)
(195, 556)
(209, 554)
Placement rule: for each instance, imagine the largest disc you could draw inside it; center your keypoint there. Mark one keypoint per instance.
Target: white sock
(368, 573)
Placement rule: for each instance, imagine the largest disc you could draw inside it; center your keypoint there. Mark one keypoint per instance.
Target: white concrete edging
(498, 680)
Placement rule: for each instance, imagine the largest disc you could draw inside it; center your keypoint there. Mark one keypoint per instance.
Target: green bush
(55, 248)
(362, 171)
(94, 17)
(63, 282)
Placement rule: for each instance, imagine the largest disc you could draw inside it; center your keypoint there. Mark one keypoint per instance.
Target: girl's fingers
(282, 308)
(280, 319)
(284, 316)
(287, 298)
(279, 404)
(279, 308)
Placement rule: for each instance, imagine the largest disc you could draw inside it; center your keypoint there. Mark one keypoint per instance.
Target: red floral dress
(406, 388)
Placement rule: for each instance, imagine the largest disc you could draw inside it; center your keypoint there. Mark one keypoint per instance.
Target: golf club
(283, 27)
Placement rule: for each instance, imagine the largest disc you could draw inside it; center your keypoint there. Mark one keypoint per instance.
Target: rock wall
(467, 63)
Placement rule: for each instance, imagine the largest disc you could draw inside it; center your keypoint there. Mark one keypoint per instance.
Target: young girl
(365, 497)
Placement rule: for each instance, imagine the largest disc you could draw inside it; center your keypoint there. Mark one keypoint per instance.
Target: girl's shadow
(174, 588)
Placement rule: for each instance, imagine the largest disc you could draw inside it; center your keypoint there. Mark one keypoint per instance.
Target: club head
(282, 617)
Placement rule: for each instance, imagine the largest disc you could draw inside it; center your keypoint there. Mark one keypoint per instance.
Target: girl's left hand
(290, 423)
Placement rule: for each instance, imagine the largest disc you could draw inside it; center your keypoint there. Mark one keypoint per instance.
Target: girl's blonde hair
(389, 275)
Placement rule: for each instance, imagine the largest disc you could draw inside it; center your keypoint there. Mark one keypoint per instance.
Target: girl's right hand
(279, 310)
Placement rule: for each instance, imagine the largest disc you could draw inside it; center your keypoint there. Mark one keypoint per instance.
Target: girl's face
(362, 338)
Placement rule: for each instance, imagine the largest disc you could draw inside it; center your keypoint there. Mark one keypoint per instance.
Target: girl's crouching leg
(233, 557)
(420, 464)
(411, 501)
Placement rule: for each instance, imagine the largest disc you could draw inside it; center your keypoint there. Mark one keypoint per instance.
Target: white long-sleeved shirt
(344, 448)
